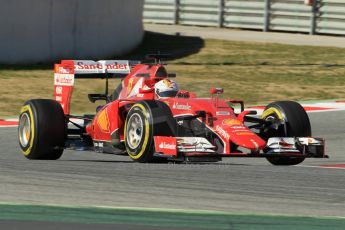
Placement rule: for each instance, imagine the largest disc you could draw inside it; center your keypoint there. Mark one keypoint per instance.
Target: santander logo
(165, 145)
(96, 65)
(64, 79)
(178, 106)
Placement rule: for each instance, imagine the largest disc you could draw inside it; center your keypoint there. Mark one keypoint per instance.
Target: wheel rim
(279, 131)
(24, 130)
(134, 131)
(272, 119)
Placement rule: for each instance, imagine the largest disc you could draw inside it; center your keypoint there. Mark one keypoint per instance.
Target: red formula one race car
(148, 117)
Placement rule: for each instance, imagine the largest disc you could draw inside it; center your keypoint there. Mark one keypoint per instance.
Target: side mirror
(233, 101)
(214, 90)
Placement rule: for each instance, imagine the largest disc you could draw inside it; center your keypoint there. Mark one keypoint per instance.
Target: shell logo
(103, 121)
(231, 122)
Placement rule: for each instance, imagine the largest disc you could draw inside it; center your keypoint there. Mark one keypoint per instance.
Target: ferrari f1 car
(148, 117)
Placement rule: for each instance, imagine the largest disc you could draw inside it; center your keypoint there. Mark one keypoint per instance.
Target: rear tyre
(145, 120)
(295, 124)
(42, 129)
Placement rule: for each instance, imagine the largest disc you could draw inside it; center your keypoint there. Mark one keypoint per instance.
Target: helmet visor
(170, 93)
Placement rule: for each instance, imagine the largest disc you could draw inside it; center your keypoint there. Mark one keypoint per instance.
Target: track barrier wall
(307, 16)
(42, 31)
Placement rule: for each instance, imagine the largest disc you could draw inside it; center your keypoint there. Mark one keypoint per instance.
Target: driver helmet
(166, 88)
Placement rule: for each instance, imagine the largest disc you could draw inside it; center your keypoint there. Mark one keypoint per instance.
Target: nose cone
(252, 142)
(244, 137)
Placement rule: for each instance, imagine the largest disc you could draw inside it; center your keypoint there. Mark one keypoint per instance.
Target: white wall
(35, 31)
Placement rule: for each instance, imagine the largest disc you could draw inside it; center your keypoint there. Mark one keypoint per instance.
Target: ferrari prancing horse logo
(130, 86)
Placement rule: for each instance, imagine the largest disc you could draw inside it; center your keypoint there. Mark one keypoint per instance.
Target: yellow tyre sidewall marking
(271, 111)
(147, 130)
(27, 109)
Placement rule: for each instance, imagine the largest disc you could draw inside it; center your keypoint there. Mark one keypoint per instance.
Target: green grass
(254, 72)
(259, 72)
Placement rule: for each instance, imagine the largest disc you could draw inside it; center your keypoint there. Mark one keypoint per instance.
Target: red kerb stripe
(307, 108)
(8, 123)
(311, 108)
(333, 166)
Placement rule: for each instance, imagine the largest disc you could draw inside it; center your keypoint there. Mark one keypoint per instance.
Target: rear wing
(68, 70)
(95, 69)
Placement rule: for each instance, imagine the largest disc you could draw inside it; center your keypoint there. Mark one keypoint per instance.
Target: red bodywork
(138, 85)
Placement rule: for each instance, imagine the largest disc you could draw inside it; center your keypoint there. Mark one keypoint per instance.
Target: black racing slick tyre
(42, 129)
(295, 124)
(145, 120)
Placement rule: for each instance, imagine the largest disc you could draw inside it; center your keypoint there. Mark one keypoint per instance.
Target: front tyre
(42, 129)
(139, 133)
(145, 120)
(294, 122)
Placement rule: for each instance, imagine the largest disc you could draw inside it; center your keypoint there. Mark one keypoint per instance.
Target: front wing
(176, 147)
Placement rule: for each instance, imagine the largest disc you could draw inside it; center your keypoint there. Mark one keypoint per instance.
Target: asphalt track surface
(247, 186)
